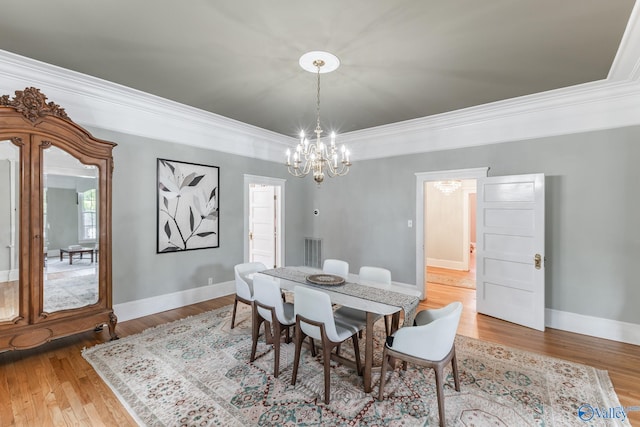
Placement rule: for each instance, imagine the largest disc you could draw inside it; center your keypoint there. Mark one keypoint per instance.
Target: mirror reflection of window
(9, 226)
(71, 230)
(88, 218)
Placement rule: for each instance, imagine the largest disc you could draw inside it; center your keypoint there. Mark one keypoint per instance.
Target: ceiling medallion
(318, 157)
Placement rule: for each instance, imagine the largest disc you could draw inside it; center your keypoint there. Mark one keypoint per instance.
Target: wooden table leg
(368, 353)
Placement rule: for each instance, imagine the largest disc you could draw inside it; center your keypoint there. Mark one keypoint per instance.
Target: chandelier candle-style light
(318, 157)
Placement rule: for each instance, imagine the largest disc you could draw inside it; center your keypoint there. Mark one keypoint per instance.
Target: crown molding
(584, 108)
(626, 64)
(91, 101)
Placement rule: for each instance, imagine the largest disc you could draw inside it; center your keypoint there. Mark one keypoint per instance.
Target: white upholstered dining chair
(377, 275)
(429, 343)
(244, 284)
(380, 276)
(276, 315)
(315, 318)
(337, 267)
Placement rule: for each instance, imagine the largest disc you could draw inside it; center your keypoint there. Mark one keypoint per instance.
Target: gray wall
(592, 243)
(592, 236)
(138, 272)
(62, 216)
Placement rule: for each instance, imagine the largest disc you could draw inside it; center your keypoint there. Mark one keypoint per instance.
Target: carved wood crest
(33, 105)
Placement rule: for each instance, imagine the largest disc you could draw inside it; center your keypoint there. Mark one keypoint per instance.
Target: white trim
(447, 263)
(560, 112)
(9, 275)
(556, 319)
(593, 326)
(147, 306)
(421, 179)
(587, 107)
(626, 64)
(280, 184)
(91, 101)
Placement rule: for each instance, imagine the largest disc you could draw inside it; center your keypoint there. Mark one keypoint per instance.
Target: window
(88, 220)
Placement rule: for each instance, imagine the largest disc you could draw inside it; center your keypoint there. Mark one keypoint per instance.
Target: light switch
(409, 223)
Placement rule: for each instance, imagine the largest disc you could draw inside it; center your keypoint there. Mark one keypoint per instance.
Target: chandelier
(318, 157)
(448, 186)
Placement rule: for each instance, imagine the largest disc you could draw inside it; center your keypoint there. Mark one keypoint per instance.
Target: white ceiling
(400, 60)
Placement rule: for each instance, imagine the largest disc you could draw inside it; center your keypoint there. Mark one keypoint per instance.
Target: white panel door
(510, 249)
(262, 224)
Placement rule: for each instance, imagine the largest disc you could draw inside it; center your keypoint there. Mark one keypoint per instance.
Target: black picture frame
(188, 197)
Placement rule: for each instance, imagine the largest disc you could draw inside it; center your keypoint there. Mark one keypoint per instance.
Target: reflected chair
(429, 343)
(337, 267)
(315, 319)
(244, 284)
(277, 316)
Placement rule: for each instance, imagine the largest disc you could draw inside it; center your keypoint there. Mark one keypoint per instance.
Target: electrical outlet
(211, 280)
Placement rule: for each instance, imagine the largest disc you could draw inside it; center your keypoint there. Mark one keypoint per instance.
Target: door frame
(421, 179)
(280, 221)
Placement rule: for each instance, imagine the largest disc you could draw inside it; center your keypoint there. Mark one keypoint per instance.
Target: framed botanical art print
(188, 203)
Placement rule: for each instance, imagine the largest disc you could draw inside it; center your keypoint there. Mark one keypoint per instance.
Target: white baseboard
(593, 326)
(145, 307)
(9, 275)
(571, 322)
(446, 263)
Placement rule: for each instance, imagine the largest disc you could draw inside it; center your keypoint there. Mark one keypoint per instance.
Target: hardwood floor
(53, 385)
(468, 275)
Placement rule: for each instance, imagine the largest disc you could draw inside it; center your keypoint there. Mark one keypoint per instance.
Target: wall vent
(313, 252)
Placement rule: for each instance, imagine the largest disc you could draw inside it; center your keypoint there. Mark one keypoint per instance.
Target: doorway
(264, 220)
(422, 181)
(450, 232)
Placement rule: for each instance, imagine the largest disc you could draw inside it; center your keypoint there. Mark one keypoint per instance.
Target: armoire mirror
(55, 224)
(9, 243)
(70, 237)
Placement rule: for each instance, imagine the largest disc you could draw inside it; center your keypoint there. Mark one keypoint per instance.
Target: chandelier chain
(318, 103)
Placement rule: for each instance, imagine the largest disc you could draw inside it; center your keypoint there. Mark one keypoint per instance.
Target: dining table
(373, 298)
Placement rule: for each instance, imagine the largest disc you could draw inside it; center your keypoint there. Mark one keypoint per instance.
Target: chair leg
(454, 366)
(440, 393)
(255, 332)
(383, 374)
(387, 326)
(356, 353)
(233, 316)
(276, 348)
(326, 356)
(296, 358)
(313, 347)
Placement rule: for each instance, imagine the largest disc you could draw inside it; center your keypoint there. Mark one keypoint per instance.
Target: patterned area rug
(70, 292)
(451, 281)
(54, 265)
(196, 371)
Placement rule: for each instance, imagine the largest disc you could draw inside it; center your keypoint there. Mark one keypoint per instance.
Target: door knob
(537, 261)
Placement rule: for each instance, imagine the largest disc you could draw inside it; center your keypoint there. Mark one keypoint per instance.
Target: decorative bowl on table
(325, 279)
